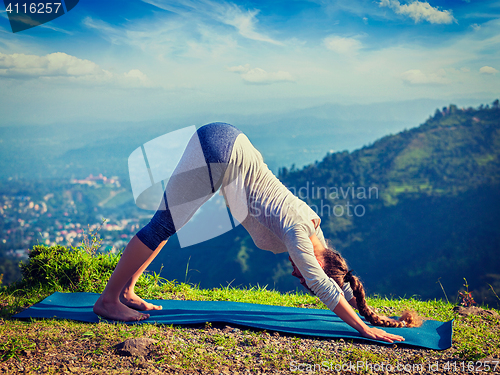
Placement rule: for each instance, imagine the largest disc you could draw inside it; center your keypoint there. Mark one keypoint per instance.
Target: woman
(220, 155)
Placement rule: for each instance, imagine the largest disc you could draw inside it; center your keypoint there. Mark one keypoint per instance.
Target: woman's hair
(336, 268)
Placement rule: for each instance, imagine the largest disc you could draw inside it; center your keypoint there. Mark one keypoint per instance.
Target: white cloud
(172, 37)
(137, 75)
(343, 46)
(417, 77)
(244, 22)
(488, 70)
(153, 35)
(418, 11)
(54, 64)
(260, 76)
(112, 34)
(61, 67)
(239, 68)
(230, 14)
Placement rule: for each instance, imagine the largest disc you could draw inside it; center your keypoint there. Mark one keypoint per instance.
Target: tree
(438, 114)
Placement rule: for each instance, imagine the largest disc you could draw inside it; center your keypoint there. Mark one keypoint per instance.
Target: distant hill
(407, 211)
(455, 150)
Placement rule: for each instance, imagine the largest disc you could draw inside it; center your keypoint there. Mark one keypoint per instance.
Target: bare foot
(116, 310)
(133, 301)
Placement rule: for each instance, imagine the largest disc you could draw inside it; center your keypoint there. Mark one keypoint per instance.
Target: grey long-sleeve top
(276, 219)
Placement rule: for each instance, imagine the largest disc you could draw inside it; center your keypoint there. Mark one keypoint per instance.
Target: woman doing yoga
(217, 156)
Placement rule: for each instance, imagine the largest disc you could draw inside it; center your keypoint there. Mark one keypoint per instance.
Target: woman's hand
(347, 314)
(379, 334)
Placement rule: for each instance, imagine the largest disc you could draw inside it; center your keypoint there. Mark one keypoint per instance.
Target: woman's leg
(119, 299)
(128, 296)
(135, 257)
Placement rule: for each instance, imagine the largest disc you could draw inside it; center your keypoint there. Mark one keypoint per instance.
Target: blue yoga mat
(310, 322)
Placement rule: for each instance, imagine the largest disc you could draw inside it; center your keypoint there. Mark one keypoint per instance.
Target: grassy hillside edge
(55, 346)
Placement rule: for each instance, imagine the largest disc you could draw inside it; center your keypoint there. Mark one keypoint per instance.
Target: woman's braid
(336, 268)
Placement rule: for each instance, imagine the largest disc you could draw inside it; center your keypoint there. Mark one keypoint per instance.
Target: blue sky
(153, 59)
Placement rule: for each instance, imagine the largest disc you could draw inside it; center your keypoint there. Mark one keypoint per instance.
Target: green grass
(88, 347)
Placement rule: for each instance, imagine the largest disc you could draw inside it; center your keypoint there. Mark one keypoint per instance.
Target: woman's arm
(300, 249)
(353, 303)
(345, 312)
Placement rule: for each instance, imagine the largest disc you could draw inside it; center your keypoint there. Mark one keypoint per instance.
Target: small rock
(474, 310)
(227, 329)
(135, 347)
